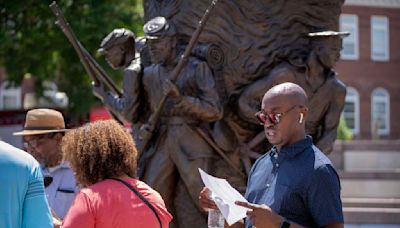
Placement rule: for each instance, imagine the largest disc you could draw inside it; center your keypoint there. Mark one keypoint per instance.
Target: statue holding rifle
(178, 93)
(118, 47)
(255, 40)
(176, 150)
(96, 73)
(192, 103)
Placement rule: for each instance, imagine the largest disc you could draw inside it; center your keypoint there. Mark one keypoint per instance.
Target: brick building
(370, 67)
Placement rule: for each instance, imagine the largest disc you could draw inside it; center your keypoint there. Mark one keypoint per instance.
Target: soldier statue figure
(176, 150)
(316, 76)
(207, 120)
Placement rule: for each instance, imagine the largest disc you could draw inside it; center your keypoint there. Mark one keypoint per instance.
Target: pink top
(110, 203)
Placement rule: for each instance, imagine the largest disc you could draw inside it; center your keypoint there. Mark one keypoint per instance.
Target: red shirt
(110, 203)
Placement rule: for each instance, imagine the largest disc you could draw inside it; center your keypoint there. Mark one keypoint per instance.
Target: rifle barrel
(155, 117)
(91, 66)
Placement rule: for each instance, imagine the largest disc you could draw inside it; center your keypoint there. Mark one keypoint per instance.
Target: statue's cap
(327, 34)
(157, 28)
(116, 37)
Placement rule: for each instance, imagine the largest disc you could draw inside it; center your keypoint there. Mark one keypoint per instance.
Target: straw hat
(43, 121)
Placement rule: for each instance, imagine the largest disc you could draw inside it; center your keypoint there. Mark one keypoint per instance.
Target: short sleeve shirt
(62, 190)
(299, 184)
(111, 204)
(22, 198)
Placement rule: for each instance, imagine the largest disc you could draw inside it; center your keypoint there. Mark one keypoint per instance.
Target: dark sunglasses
(273, 118)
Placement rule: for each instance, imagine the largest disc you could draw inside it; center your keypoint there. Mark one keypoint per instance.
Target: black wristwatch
(285, 223)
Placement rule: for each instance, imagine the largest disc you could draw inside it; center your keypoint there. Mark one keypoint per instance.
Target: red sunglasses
(273, 118)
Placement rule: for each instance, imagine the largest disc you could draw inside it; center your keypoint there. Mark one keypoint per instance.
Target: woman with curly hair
(103, 156)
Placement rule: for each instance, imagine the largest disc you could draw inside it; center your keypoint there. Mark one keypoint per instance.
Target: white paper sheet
(225, 196)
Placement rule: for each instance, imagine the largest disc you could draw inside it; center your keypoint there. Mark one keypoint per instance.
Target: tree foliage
(343, 132)
(32, 43)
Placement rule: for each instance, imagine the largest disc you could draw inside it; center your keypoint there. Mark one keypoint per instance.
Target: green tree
(32, 43)
(343, 132)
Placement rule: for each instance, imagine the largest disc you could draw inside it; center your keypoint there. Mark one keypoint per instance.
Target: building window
(10, 97)
(351, 111)
(379, 38)
(380, 112)
(349, 23)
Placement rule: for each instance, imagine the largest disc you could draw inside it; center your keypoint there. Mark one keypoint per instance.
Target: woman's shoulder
(109, 185)
(143, 188)
(154, 198)
(101, 186)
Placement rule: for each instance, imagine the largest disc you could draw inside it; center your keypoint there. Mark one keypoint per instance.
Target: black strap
(141, 197)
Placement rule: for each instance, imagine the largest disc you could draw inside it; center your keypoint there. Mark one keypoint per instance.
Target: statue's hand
(169, 89)
(98, 90)
(143, 131)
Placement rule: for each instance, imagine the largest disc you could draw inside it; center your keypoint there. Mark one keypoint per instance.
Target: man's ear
(304, 112)
(304, 109)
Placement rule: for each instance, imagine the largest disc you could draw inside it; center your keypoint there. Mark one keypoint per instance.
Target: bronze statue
(176, 150)
(315, 75)
(93, 69)
(118, 47)
(208, 117)
(193, 102)
(259, 39)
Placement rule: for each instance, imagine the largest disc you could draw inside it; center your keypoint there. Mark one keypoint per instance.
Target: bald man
(294, 184)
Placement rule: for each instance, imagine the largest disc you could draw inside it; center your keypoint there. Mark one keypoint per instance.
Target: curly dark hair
(100, 150)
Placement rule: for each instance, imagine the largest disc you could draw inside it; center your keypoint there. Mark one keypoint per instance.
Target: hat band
(43, 128)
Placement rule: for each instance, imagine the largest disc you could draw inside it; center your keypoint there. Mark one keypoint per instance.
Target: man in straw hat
(43, 132)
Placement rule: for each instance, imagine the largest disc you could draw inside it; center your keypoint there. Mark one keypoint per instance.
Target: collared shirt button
(275, 155)
(268, 185)
(277, 165)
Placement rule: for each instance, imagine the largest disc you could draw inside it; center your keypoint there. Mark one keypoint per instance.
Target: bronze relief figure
(208, 118)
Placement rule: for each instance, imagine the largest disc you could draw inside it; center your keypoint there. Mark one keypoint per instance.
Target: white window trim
(12, 91)
(387, 114)
(387, 47)
(356, 54)
(392, 4)
(356, 101)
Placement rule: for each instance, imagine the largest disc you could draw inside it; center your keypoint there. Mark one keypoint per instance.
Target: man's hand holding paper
(224, 196)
